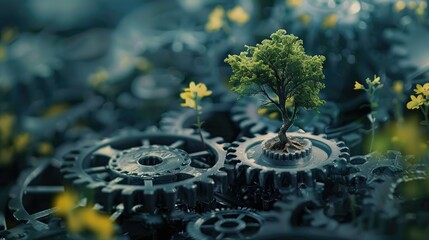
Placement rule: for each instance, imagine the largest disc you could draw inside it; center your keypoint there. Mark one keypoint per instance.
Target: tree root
(285, 147)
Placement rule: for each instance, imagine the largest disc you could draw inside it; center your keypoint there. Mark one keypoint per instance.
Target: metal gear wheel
(246, 163)
(389, 198)
(182, 169)
(367, 168)
(245, 114)
(230, 224)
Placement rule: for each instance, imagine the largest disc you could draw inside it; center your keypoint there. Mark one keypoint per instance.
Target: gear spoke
(44, 189)
(93, 170)
(43, 213)
(177, 144)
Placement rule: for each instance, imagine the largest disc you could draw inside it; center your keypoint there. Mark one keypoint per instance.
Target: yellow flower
(143, 64)
(215, 19)
(194, 93)
(189, 102)
(101, 225)
(273, 115)
(376, 80)
(55, 110)
(329, 21)
(238, 15)
(64, 203)
(21, 142)
(98, 78)
(304, 19)
(398, 87)
(8, 34)
(3, 52)
(262, 111)
(45, 149)
(6, 125)
(358, 86)
(415, 102)
(200, 89)
(422, 89)
(399, 6)
(293, 3)
(6, 155)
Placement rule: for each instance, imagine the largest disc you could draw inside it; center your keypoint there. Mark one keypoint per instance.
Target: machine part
(32, 197)
(123, 169)
(389, 198)
(245, 115)
(246, 163)
(230, 224)
(367, 168)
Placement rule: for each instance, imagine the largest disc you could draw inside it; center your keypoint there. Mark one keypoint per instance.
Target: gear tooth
(345, 155)
(341, 144)
(258, 127)
(107, 198)
(129, 198)
(70, 157)
(221, 179)
(169, 197)
(190, 194)
(231, 173)
(206, 190)
(231, 156)
(218, 140)
(150, 200)
(246, 124)
(266, 178)
(251, 174)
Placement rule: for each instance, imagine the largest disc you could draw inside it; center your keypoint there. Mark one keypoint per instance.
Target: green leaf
(424, 123)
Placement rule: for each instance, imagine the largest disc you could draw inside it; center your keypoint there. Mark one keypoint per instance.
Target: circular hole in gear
(150, 160)
(229, 224)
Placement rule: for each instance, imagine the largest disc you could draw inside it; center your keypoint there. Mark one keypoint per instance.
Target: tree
(279, 66)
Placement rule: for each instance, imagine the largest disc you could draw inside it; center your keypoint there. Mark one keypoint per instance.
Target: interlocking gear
(246, 163)
(154, 169)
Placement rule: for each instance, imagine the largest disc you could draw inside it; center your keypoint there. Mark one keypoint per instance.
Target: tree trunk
(284, 140)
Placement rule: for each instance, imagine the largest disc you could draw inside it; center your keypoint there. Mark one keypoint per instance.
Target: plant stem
(197, 111)
(372, 132)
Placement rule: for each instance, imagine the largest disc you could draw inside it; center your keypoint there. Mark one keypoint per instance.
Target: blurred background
(73, 71)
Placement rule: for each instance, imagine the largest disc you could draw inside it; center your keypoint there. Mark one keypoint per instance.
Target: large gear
(245, 114)
(115, 170)
(246, 162)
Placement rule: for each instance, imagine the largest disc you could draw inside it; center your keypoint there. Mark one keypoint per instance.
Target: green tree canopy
(279, 66)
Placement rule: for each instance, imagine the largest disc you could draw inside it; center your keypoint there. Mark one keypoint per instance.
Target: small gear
(389, 197)
(245, 115)
(366, 168)
(229, 224)
(182, 169)
(246, 162)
